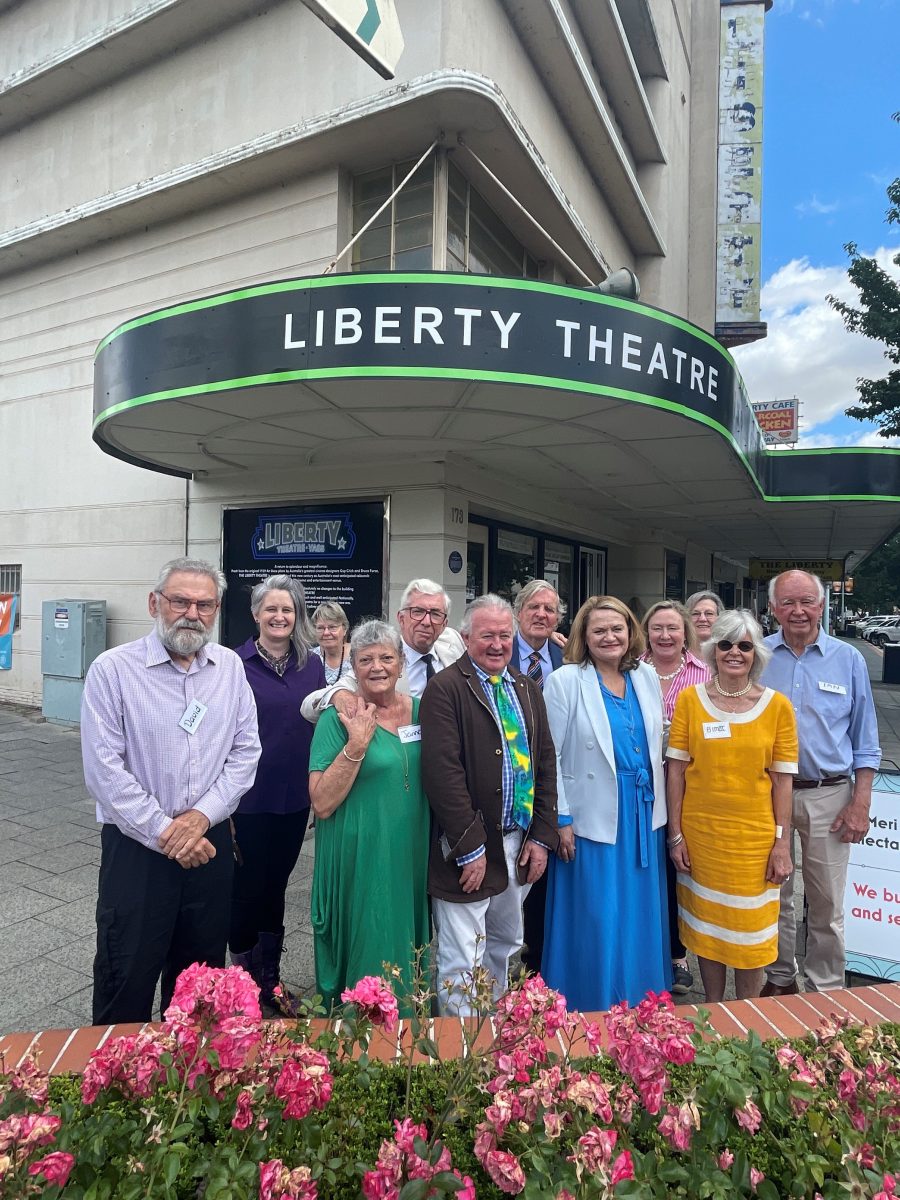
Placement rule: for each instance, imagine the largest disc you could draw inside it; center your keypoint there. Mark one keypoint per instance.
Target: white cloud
(815, 207)
(808, 352)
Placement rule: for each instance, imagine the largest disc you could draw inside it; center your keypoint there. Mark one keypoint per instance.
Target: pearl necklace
(733, 695)
(666, 678)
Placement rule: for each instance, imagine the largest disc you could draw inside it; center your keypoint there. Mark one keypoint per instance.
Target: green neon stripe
(841, 450)
(568, 385)
(479, 281)
(550, 381)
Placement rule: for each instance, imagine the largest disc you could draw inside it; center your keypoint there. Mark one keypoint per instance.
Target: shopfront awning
(622, 409)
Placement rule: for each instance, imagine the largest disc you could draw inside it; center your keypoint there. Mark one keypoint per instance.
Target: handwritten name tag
(716, 729)
(837, 688)
(409, 733)
(193, 715)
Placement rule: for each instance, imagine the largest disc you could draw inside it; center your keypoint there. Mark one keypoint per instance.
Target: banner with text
(7, 625)
(872, 898)
(778, 420)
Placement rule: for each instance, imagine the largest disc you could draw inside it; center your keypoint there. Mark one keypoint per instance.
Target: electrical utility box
(73, 634)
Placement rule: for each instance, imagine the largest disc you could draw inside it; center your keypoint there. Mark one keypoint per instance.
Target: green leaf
(447, 1180)
(416, 1189)
(767, 1190)
(171, 1167)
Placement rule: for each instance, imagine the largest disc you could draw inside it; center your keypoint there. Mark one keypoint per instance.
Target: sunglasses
(725, 646)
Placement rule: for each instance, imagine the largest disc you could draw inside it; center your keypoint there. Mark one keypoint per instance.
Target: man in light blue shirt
(827, 682)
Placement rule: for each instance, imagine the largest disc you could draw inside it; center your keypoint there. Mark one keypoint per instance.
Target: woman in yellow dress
(732, 752)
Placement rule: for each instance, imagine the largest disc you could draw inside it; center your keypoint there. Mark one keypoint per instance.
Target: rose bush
(217, 1104)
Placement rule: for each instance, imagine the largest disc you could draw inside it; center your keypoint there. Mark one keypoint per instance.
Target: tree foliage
(877, 317)
(876, 584)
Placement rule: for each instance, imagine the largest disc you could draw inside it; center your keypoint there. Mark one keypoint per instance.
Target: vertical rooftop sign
(370, 27)
(741, 38)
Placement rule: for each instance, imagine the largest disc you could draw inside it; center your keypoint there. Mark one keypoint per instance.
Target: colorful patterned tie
(517, 741)
(535, 670)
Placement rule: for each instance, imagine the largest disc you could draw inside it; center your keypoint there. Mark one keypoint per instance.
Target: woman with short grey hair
(732, 752)
(331, 625)
(272, 817)
(704, 608)
(369, 898)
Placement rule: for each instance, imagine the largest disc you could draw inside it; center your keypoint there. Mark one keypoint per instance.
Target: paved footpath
(50, 851)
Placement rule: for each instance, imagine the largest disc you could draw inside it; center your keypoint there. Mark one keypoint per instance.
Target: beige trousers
(824, 866)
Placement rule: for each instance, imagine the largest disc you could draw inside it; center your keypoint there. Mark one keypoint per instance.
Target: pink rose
(55, 1167)
(243, 1113)
(505, 1170)
(375, 1002)
(622, 1168)
(725, 1160)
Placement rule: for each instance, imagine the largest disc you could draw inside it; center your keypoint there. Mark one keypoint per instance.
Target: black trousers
(154, 918)
(677, 946)
(269, 845)
(533, 915)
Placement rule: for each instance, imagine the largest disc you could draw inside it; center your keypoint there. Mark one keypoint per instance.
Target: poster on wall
(778, 420)
(872, 898)
(336, 550)
(7, 625)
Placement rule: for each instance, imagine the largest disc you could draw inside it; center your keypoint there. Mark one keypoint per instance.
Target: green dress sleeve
(328, 740)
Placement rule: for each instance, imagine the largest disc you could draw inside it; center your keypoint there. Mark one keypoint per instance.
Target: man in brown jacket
(489, 769)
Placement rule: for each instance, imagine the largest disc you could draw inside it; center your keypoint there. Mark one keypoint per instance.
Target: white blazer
(585, 760)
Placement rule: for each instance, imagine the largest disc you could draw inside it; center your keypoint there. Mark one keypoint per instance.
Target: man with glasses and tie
(170, 744)
(429, 645)
(537, 609)
(827, 682)
(489, 770)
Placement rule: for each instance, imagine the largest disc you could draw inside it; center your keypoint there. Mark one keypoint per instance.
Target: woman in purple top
(272, 817)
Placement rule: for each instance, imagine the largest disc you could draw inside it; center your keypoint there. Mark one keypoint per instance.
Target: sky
(830, 148)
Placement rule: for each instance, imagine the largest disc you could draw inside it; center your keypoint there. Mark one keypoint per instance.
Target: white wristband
(779, 831)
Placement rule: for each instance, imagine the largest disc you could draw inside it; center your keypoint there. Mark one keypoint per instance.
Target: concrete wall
(83, 524)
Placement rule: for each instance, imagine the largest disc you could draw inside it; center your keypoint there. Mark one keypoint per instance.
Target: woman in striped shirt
(672, 652)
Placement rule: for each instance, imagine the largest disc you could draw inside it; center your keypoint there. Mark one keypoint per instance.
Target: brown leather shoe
(777, 989)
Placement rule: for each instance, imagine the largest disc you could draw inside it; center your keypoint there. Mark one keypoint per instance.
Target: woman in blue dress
(607, 921)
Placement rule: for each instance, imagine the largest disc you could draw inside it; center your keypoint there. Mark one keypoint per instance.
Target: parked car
(887, 631)
(869, 623)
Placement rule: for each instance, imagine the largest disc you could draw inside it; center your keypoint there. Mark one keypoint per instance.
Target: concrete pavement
(50, 851)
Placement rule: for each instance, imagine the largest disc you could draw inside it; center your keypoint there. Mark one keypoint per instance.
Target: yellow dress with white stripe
(727, 911)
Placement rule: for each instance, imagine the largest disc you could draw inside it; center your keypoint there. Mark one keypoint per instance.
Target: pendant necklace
(732, 695)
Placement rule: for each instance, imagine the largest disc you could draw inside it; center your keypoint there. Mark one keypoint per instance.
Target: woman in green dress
(369, 898)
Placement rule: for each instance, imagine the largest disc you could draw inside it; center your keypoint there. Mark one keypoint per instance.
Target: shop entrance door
(591, 573)
(476, 561)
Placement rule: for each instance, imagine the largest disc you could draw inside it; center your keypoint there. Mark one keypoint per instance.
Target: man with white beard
(169, 744)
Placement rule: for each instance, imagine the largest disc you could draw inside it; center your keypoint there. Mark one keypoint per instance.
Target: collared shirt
(524, 653)
(693, 671)
(140, 766)
(828, 685)
(415, 668)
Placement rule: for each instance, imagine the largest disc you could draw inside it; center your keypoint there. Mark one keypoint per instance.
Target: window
(402, 237)
(477, 240)
(11, 584)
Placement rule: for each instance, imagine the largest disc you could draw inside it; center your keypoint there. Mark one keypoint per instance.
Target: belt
(828, 781)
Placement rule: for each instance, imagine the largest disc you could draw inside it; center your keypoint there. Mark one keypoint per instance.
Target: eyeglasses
(744, 647)
(179, 604)
(328, 628)
(437, 615)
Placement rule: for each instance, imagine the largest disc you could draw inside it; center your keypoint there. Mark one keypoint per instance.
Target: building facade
(174, 169)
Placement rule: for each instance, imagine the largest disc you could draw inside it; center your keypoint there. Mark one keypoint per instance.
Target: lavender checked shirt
(140, 766)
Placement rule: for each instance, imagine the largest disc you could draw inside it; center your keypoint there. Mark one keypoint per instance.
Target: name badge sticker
(193, 715)
(837, 688)
(716, 729)
(409, 733)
